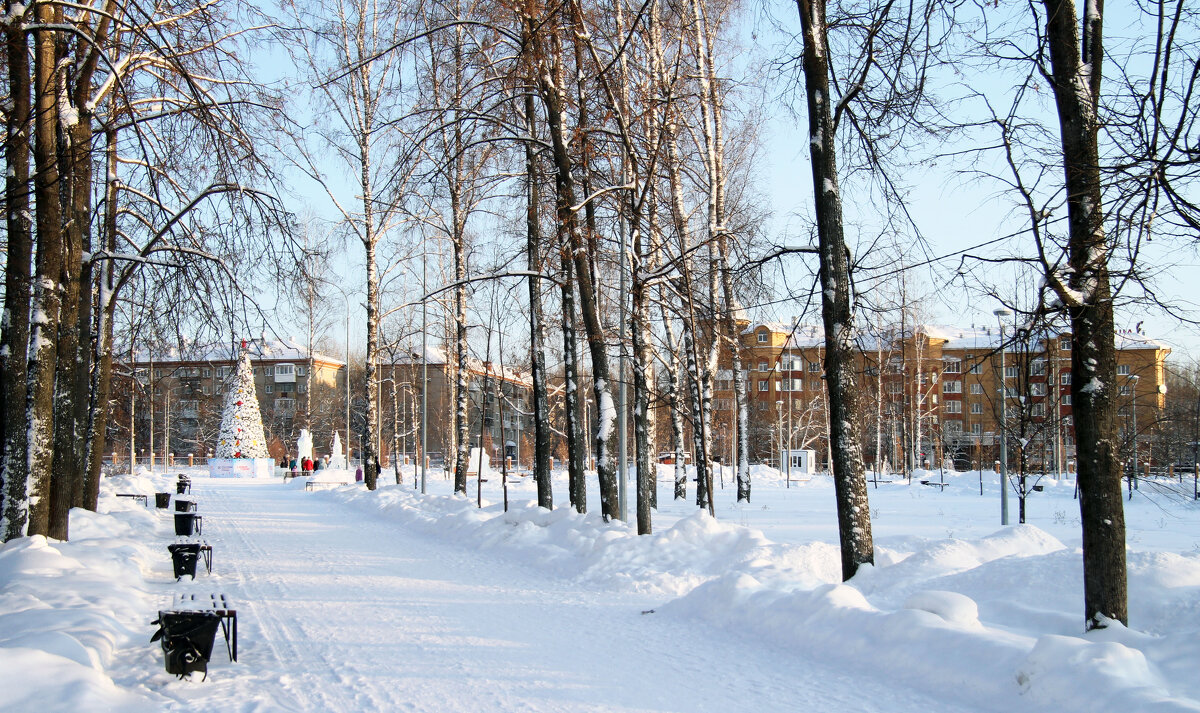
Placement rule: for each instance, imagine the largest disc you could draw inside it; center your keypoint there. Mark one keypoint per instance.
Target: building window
(814, 366)
(301, 371)
(1065, 378)
(976, 408)
(762, 405)
(285, 404)
(1122, 370)
(270, 388)
(269, 371)
(951, 366)
(284, 370)
(952, 406)
(1064, 343)
(1039, 410)
(1037, 389)
(763, 385)
(976, 428)
(954, 426)
(1066, 400)
(1038, 367)
(762, 366)
(762, 337)
(977, 389)
(814, 385)
(205, 372)
(951, 387)
(1010, 372)
(206, 388)
(1124, 389)
(158, 373)
(977, 368)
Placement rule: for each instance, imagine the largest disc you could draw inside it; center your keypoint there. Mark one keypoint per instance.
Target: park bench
(934, 484)
(188, 631)
(188, 524)
(144, 500)
(186, 555)
(312, 484)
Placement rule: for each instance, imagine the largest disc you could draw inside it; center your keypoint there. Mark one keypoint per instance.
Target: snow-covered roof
(288, 349)
(436, 356)
(1132, 339)
(981, 338)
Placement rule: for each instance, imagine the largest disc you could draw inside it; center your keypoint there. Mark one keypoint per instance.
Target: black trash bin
(162, 500)
(185, 505)
(187, 524)
(184, 556)
(187, 639)
(183, 486)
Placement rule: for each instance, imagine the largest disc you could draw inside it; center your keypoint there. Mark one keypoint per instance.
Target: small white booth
(803, 463)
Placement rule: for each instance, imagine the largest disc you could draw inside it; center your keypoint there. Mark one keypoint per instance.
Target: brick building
(173, 400)
(932, 394)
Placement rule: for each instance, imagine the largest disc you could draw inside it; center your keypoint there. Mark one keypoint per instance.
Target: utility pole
(1001, 313)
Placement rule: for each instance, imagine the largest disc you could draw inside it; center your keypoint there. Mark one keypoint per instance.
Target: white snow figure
(337, 459)
(241, 423)
(304, 445)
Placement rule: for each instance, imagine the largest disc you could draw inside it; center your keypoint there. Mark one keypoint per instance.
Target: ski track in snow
(342, 611)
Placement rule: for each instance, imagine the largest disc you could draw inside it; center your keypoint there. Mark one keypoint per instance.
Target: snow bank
(962, 619)
(68, 607)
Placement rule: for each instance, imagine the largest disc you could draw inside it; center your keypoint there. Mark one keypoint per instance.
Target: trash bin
(187, 640)
(183, 486)
(185, 505)
(184, 556)
(187, 524)
(162, 500)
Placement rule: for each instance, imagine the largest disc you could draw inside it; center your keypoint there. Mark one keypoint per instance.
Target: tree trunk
(646, 477)
(369, 450)
(854, 513)
(537, 348)
(675, 398)
(1077, 74)
(576, 480)
(14, 328)
(47, 297)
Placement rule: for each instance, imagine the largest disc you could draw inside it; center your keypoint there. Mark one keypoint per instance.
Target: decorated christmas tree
(241, 423)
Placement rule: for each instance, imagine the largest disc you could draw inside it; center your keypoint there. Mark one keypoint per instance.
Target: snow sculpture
(337, 459)
(304, 445)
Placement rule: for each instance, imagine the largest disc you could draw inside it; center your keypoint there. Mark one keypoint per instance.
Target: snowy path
(341, 611)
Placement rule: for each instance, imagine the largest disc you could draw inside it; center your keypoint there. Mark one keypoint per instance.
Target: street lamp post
(779, 412)
(1001, 313)
(1133, 382)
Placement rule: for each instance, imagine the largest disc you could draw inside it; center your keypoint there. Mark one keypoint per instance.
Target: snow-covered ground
(350, 600)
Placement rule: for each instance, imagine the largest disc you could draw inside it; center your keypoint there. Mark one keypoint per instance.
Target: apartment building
(172, 401)
(932, 395)
(499, 411)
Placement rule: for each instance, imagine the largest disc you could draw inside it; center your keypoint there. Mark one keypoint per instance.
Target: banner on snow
(241, 467)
